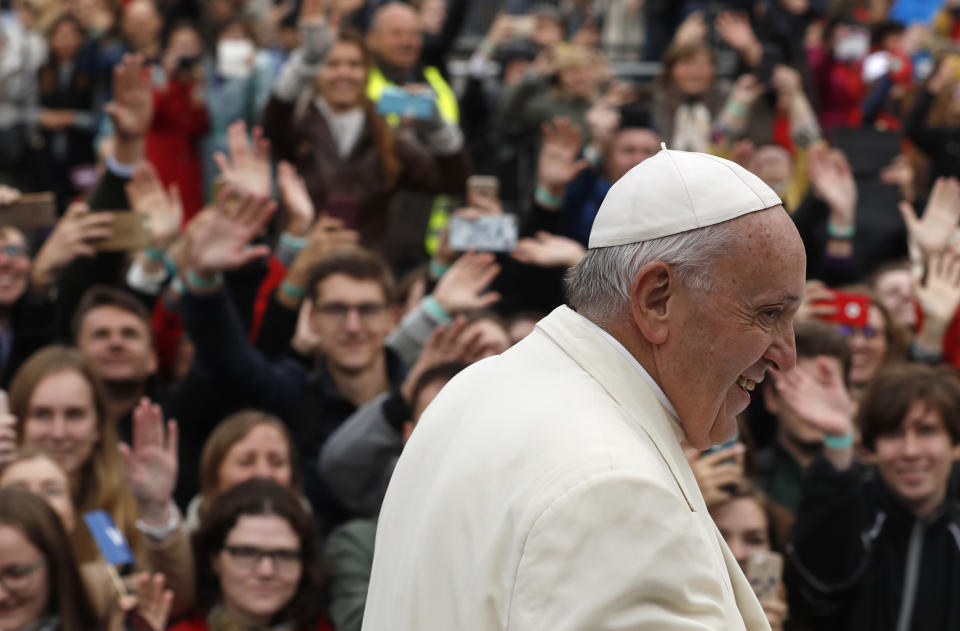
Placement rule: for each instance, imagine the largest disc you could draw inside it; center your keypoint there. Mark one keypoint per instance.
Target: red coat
(179, 122)
(200, 624)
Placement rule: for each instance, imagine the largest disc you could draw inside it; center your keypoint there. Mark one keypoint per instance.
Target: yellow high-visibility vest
(446, 99)
(450, 112)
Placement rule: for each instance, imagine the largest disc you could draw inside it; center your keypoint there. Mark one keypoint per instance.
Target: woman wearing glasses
(40, 586)
(257, 563)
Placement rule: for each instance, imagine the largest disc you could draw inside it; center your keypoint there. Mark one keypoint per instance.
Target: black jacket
(859, 556)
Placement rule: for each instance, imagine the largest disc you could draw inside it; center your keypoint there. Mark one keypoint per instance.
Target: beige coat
(546, 489)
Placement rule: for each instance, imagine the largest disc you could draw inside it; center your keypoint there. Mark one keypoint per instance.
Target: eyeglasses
(248, 558)
(17, 577)
(340, 310)
(868, 332)
(13, 250)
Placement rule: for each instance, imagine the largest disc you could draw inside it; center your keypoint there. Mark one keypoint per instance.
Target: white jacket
(546, 489)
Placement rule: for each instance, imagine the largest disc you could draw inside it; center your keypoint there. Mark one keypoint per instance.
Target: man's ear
(652, 297)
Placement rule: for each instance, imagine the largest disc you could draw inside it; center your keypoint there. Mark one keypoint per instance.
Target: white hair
(599, 285)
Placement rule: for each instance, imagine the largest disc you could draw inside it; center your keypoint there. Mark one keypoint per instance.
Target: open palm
(221, 243)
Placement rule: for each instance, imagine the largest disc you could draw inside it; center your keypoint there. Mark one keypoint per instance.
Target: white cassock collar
(657, 390)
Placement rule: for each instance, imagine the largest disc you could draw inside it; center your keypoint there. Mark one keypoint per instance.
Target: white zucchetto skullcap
(677, 191)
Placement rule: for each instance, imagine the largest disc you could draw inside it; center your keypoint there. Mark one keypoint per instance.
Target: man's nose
(352, 323)
(782, 353)
(911, 446)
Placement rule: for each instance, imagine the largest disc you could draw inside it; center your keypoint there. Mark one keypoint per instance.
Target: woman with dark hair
(351, 159)
(40, 587)
(257, 563)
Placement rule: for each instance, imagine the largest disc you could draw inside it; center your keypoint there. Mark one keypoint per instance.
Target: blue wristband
(292, 242)
(843, 234)
(153, 254)
(437, 270)
(435, 311)
(838, 442)
(545, 199)
(292, 290)
(197, 282)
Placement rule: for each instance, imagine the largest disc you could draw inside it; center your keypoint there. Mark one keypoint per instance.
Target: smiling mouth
(747, 384)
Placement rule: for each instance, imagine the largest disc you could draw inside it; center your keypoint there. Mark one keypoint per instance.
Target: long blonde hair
(101, 482)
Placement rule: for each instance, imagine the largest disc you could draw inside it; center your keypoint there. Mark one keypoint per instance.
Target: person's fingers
(909, 216)
(75, 209)
(713, 458)
(4, 403)
(488, 299)
(221, 160)
(253, 253)
(487, 275)
(263, 212)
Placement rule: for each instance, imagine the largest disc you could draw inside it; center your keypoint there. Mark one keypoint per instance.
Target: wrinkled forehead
(764, 255)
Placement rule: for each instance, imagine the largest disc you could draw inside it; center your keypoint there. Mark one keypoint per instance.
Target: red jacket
(200, 624)
(179, 122)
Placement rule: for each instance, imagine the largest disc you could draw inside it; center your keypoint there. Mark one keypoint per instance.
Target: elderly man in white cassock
(546, 488)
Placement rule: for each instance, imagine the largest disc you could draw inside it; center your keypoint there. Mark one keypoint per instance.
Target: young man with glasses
(350, 291)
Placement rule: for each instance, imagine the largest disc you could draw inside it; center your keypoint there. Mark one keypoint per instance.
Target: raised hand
(464, 286)
(933, 231)
(131, 110)
(939, 295)
(152, 462)
(446, 344)
(549, 250)
(147, 610)
(8, 432)
(692, 29)
(558, 164)
(296, 200)
(602, 120)
(326, 235)
(220, 243)
(162, 207)
(248, 167)
(313, 12)
(72, 237)
(833, 182)
(820, 399)
(816, 303)
(736, 31)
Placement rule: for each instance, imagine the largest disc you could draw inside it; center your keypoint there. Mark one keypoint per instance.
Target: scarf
(345, 126)
(691, 127)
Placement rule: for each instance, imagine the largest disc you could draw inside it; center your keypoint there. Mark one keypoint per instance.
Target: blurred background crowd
(287, 224)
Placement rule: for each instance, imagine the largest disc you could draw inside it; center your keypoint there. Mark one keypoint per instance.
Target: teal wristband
(198, 282)
(838, 442)
(437, 270)
(172, 268)
(544, 198)
(844, 234)
(435, 311)
(154, 255)
(292, 290)
(292, 242)
(738, 109)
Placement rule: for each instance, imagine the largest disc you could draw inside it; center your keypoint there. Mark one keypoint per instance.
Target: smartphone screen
(490, 233)
(765, 571)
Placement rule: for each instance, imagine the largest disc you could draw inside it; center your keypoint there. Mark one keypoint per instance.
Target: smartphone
(31, 211)
(344, 207)
(851, 308)
(394, 100)
(490, 233)
(486, 186)
(129, 232)
(765, 571)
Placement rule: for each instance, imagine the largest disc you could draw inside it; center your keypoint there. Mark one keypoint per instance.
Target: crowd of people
(294, 298)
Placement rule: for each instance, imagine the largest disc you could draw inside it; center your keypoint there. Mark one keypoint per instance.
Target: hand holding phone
(765, 572)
